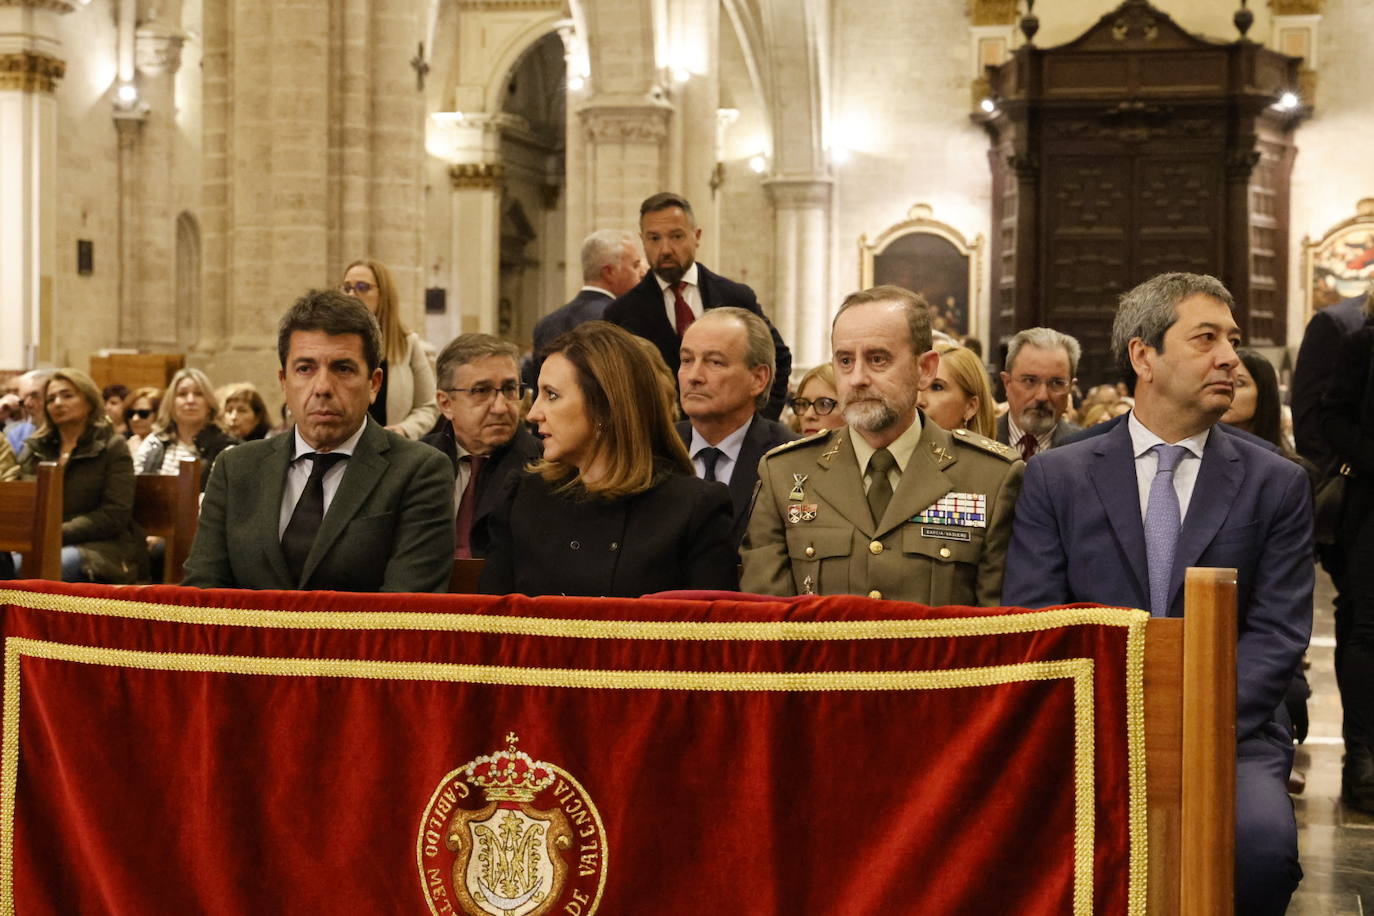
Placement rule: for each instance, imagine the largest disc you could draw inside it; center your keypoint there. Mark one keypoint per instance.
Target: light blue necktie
(1162, 522)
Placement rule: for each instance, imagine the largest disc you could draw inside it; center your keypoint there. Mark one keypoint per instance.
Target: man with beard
(677, 291)
(1041, 364)
(890, 505)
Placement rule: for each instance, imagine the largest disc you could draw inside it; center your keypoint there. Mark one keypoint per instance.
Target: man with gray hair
(611, 266)
(482, 400)
(1041, 367)
(1117, 518)
(725, 374)
(24, 409)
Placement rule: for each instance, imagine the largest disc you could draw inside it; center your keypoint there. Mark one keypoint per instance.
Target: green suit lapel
(362, 473)
(268, 516)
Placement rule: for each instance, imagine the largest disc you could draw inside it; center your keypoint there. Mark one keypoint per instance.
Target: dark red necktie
(681, 309)
(467, 509)
(1028, 445)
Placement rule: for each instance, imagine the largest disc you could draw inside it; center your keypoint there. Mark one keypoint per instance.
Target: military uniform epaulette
(1004, 452)
(796, 443)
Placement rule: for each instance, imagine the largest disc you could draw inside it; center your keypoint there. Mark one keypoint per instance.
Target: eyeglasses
(140, 414)
(1032, 382)
(358, 286)
(823, 405)
(481, 394)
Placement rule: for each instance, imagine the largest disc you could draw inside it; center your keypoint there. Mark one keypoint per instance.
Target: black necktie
(300, 532)
(709, 456)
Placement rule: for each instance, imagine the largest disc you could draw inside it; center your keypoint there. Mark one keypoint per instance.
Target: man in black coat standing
(725, 373)
(1318, 356)
(611, 266)
(677, 290)
(484, 434)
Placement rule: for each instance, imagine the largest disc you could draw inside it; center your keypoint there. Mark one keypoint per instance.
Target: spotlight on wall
(758, 163)
(127, 95)
(988, 106)
(681, 74)
(576, 83)
(1289, 101)
(839, 154)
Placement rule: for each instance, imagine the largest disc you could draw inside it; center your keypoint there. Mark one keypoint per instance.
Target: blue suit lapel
(1113, 477)
(1218, 481)
(362, 473)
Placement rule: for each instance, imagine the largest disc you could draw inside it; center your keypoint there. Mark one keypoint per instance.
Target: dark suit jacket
(509, 458)
(1063, 432)
(762, 435)
(641, 311)
(389, 527)
(1078, 536)
(1318, 357)
(587, 305)
(673, 536)
(1106, 426)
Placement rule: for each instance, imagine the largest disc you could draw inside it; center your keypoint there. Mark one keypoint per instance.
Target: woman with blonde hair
(184, 428)
(816, 404)
(100, 542)
(960, 396)
(405, 404)
(614, 507)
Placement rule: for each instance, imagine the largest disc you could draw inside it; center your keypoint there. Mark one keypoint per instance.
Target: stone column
(617, 158)
(802, 308)
(30, 67)
(476, 253)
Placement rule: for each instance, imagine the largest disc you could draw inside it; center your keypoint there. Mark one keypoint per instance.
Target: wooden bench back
(31, 521)
(169, 508)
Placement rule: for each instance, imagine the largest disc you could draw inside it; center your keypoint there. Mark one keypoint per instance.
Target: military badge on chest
(796, 514)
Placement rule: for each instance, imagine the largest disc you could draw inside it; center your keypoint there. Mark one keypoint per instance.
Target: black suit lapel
(268, 516)
(1113, 477)
(743, 477)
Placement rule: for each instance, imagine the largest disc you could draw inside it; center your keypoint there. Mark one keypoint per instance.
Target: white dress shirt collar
(731, 445)
(344, 448)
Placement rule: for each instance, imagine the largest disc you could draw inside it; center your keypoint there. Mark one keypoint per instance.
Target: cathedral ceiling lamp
(1030, 23)
(758, 163)
(1243, 19)
(576, 83)
(1288, 101)
(988, 106)
(126, 95)
(679, 73)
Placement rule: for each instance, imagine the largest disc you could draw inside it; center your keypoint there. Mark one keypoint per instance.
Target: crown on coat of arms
(510, 775)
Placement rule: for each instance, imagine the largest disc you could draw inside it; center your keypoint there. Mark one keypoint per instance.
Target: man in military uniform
(890, 505)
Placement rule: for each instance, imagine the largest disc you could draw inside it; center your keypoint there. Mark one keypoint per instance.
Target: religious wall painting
(933, 259)
(1340, 265)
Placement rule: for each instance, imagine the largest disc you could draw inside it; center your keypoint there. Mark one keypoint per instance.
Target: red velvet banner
(170, 750)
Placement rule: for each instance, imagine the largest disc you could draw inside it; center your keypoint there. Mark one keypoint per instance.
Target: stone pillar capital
(800, 192)
(27, 71)
(476, 175)
(57, 6)
(625, 123)
(157, 47)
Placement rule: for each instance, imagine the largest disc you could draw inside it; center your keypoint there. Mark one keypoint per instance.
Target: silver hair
(758, 345)
(602, 247)
(1045, 339)
(1150, 309)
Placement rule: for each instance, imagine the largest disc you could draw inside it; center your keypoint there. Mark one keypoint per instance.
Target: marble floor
(1336, 845)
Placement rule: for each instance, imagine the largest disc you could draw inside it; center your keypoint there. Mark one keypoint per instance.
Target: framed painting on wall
(932, 258)
(1340, 265)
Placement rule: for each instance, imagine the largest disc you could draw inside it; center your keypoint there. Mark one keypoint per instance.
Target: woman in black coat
(1347, 415)
(613, 508)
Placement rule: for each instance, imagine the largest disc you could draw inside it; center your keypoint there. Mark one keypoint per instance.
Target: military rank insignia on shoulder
(797, 443)
(992, 446)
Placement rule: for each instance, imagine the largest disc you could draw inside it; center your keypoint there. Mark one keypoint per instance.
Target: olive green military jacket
(942, 540)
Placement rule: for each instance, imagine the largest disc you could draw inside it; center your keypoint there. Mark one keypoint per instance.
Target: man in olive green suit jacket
(380, 520)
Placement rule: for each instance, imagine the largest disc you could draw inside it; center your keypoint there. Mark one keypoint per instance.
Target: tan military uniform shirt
(942, 540)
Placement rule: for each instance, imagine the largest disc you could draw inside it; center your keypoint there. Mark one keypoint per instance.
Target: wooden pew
(31, 521)
(1190, 749)
(169, 508)
(465, 576)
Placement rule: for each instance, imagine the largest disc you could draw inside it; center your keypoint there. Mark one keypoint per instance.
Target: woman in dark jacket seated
(613, 508)
(100, 542)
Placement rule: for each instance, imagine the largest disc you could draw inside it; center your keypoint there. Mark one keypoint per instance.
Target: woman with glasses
(405, 403)
(613, 508)
(139, 411)
(816, 405)
(100, 542)
(960, 397)
(184, 428)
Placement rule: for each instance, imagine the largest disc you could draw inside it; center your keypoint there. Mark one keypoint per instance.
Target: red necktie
(1028, 445)
(467, 509)
(681, 309)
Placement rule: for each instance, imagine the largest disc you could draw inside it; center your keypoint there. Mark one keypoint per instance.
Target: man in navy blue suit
(1117, 518)
(678, 290)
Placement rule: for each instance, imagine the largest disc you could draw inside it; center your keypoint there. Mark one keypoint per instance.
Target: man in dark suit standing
(339, 502)
(1318, 356)
(1116, 519)
(724, 376)
(611, 266)
(677, 291)
(485, 438)
(1041, 365)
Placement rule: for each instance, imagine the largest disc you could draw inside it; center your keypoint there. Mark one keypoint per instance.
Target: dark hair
(114, 391)
(665, 200)
(1267, 423)
(914, 306)
(335, 314)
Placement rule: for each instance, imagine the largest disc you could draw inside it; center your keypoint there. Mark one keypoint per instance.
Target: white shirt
(298, 475)
(730, 445)
(1015, 433)
(692, 295)
(902, 448)
(1146, 461)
